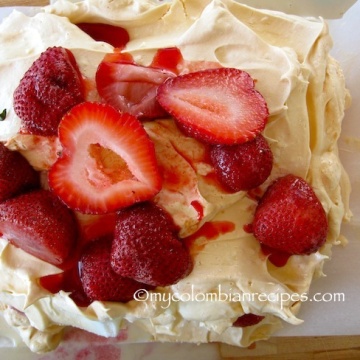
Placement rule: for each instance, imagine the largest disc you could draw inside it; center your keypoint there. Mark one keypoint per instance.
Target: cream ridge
(305, 91)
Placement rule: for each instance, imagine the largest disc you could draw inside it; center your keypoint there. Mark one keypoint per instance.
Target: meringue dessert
(185, 163)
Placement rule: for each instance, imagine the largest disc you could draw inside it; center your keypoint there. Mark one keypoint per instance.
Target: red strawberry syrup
(171, 59)
(210, 230)
(277, 258)
(212, 179)
(255, 194)
(248, 228)
(168, 59)
(116, 36)
(248, 320)
(199, 208)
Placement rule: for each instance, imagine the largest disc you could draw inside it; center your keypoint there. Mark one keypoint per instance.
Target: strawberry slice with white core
(216, 106)
(129, 87)
(107, 163)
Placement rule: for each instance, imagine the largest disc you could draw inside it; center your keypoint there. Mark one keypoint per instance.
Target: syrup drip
(255, 194)
(277, 258)
(199, 208)
(210, 231)
(116, 36)
(248, 228)
(247, 320)
(168, 59)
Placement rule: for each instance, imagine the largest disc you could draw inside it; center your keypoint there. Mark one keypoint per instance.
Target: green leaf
(3, 115)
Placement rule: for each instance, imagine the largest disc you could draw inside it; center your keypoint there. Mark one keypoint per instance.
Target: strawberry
(107, 162)
(290, 218)
(68, 281)
(16, 174)
(146, 247)
(50, 87)
(248, 319)
(243, 166)
(129, 87)
(111, 34)
(217, 106)
(99, 280)
(40, 224)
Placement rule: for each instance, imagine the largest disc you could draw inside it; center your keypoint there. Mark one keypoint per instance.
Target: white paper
(329, 9)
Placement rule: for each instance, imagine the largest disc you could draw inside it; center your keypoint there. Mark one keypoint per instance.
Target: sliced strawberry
(290, 217)
(40, 224)
(111, 34)
(47, 91)
(146, 247)
(217, 106)
(16, 174)
(129, 87)
(99, 280)
(243, 166)
(107, 163)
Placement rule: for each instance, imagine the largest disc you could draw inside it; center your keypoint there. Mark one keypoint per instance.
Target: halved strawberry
(217, 106)
(113, 35)
(40, 224)
(50, 87)
(129, 87)
(107, 163)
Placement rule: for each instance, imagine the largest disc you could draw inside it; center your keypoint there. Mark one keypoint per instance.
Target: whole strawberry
(50, 87)
(40, 224)
(290, 217)
(243, 166)
(99, 280)
(16, 174)
(146, 247)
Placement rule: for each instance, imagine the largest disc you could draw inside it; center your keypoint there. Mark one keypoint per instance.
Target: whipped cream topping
(305, 91)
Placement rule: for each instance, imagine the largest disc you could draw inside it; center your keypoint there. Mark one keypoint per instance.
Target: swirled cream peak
(305, 91)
